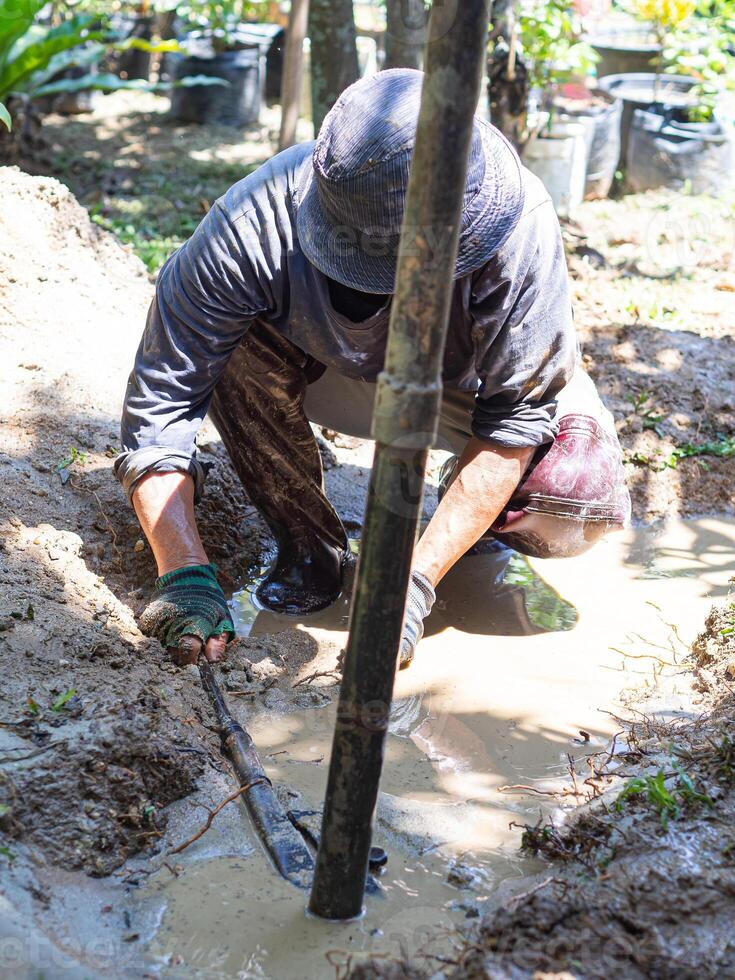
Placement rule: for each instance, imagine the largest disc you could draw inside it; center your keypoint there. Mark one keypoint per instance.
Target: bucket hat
(350, 197)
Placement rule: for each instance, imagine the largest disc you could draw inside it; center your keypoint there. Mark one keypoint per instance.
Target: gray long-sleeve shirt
(511, 336)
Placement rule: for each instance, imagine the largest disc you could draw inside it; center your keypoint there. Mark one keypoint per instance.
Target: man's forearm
(485, 481)
(164, 503)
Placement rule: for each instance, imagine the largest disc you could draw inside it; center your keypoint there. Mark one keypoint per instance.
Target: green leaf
(16, 17)
(82, 56)
(111, 83)
(5, 117)
(62, 699)
(4, 808)
(152, 47)
(35, 57)
(32, 706)
(6, 852)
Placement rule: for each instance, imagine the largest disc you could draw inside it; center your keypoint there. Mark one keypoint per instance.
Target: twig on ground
(30, 755)
(317, 673)
(212, 814)
(78, 486)
(515, 899)
(522, 788)
(644, 656)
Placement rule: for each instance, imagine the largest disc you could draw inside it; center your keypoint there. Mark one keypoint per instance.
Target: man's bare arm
(486, 478)
(164, 503)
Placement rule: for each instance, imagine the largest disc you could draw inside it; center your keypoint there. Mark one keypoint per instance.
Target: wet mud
(486, 726)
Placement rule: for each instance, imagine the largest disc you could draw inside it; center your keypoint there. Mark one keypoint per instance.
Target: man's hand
(486, 478)
(419, 601)
(188, 613)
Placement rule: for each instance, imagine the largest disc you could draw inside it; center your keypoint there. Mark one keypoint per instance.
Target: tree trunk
(508, 77)
(405, 34)
(333, 54)
(407, 401)
(293, 64)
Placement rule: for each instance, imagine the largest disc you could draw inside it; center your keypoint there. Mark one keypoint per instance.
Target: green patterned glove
(189, 602)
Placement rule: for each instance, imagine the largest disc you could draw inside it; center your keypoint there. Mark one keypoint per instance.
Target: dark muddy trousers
(572, 493)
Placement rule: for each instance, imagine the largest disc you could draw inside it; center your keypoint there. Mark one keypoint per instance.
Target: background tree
(333, 53)
(508, 81)
(405, 33)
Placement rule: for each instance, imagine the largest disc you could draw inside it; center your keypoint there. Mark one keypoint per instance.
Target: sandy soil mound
(92, 747)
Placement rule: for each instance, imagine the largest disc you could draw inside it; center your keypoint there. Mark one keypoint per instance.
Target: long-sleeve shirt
(511, 336)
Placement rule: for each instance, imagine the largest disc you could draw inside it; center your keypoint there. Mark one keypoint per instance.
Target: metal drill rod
(404, 426)
(283, 842)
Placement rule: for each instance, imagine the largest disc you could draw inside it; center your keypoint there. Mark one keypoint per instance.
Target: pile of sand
(68, 290)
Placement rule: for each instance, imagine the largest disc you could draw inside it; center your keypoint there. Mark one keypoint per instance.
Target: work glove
(189, 603)
(420, 599)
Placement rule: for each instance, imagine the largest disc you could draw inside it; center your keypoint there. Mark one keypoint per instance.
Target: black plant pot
(133, 63)
(69, 103)
(605, 110)
(630, 49)
(236, 104)
(665, 152)
(641, 90)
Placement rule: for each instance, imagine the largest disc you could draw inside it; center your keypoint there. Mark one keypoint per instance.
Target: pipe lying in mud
(283, 842)
(404, 428)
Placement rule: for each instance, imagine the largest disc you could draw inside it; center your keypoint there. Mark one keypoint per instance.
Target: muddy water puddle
(520, 674)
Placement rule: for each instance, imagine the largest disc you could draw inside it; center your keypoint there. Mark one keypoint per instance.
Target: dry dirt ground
(98, 733)
(653, 280)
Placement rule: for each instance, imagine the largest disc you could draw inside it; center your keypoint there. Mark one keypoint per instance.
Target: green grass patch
(666, 794)
(721, 446)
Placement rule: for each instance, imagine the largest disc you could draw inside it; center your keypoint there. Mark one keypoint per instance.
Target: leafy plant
(220, 18)
(650, 418)
(62, 700)
(534, 48)
(691, 35)
(33, 55)
(730, 628)
(75, 456)
(667, 802)
(699, 50)
(723, 446)
(32, 706)
(550, 38)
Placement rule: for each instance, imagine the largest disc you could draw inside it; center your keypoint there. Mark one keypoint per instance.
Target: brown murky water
(518, 659)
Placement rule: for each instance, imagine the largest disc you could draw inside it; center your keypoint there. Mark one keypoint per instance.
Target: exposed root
(212, 814)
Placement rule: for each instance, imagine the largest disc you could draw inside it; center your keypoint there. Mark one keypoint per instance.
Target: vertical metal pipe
(293, 65)
(404, 426)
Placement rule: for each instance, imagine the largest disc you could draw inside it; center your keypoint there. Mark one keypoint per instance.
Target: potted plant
(134, 21)
(536, 51)
(669, 133)
(215, 48)
(35, 61)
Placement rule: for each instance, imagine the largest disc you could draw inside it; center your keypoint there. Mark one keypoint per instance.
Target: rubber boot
(257, 408)
(304, 578)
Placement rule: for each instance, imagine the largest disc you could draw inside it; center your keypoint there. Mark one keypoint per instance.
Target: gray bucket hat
(350, 201)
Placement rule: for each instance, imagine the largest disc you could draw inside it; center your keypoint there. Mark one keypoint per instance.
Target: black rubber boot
(258, 410)
(303, 579)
